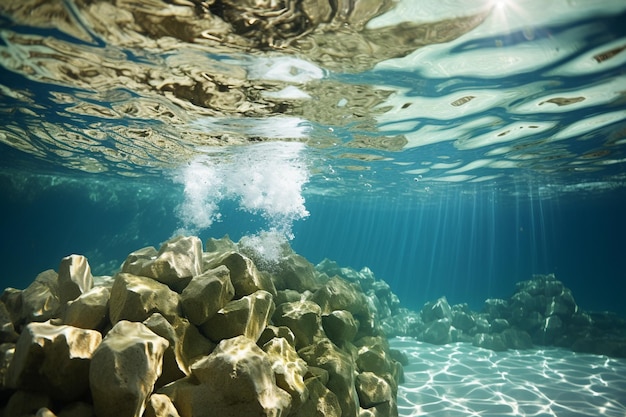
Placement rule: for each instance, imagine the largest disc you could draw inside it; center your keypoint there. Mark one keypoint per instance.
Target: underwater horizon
(454, 148)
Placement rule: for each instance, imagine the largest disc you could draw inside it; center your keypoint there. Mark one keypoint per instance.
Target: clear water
(455, 147)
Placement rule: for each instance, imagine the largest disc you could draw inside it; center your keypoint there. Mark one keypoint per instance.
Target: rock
(90, 310)
(438, 310)
(304, 318)
(489, 341)
(173, 364)
(77, 409)
(53, 358)
(160, 405)
(135, 260)
(549, 331)
(372, 390)
(463, 321)
(296, 273)
(438, 332)
(7, 350)
(12, 300)
(338, 294)
(372, 356)
(135, 298)
(341, 373)
(562, 305)
(7, 330)
(499, 325)
(270, 332)
(289, 369)
(40, 300)
(177, 261)
(244, 275)
(74, 278)
(287, 296)
(340, 326)
(517, 339)
(247, 316)
(321, 402)
(496, 308)
(235, 380)
(26, 403)
(190, 344)
(124, 369)
(206, 294)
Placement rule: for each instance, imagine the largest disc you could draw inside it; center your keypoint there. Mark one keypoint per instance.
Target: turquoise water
(453, 150)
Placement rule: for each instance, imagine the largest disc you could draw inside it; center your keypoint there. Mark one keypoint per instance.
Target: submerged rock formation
(541, 312)
(182, 332)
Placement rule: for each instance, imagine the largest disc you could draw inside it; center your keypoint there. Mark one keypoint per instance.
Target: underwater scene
(307, 208)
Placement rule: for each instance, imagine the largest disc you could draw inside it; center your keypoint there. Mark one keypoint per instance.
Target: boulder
(12, 300)
(247, 316)
(40, 300)
(517, 339)
(340, 326)
(438, 332)
(271, 332)
(338, 294)
(53, 358)
(124, 369)
(206, 294)
(372, 390)
(438, 310)
(173, 364)
(489, 341)
(304, 318)
(296, 273)
(244, 275)
(235, 380)
(160, 405)
(74, 278)
(7, 350)
(135, 260)
(135, 298)
(177, 261)
(7, 329)
(90, 310)
(372, 356)
(289, 369)
(341, 373)
(321, 402)
(26, 403)
(463, 320)
(499, 325)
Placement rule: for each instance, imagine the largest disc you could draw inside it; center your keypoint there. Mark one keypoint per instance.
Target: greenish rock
(135, 298)
(206, 294)
(321, 402)
(341, 373)
(90, 310)
(493, 342)
(244, 275)
(438, 332)
(294, 272)
(338, 294)
(372, 390)
(270, 332)
(340, 326)
(7, 329)
(438, 310)
(289, 370)
(247, 316)
(304, 318)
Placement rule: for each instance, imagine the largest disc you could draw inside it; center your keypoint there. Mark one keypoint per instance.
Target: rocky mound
(541, 312)
(184, 332)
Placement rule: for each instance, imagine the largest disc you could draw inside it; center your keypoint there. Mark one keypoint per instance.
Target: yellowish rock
(206, 294)
(135, 298)
(74, 278)
(244, 275)
(247, 316)
(40, 300)
(124, 370)
(289, 369)
(304, 318)
(160, 405)
(53, 358)
(90, 310)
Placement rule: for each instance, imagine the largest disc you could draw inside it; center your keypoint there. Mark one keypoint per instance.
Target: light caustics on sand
(462, 380)
(265, 179)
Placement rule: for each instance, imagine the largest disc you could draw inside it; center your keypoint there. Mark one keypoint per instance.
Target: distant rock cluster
(187, 332)
(541, 312)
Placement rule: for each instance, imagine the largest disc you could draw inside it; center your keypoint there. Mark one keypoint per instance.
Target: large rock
(135, 298)
(7, 329)
(338, 294)
(244, 275)
(321, 402)
(372, 390)
(54, 359)
(206, 294)
(437, 310)
(174, 365)
(340, 326)
(304, 318)
(289, 369)
(40, 300)
(90, 310)
(247, 316)
(235, 380)
(160, 405)
(341, 373)
(177, 261)
(124, 369)
(74, 278)
(296, 273)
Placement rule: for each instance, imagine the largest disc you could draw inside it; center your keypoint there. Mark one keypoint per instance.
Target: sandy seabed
(462, 380)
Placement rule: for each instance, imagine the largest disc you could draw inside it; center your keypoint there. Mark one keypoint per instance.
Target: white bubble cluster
(264, 179)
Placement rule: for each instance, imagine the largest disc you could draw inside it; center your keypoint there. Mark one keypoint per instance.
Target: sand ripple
(462, 380)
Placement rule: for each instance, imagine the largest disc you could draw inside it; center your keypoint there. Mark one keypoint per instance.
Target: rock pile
(190, 333)
(542, 311)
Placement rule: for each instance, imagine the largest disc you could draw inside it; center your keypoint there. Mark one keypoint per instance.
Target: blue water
(458, 166)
